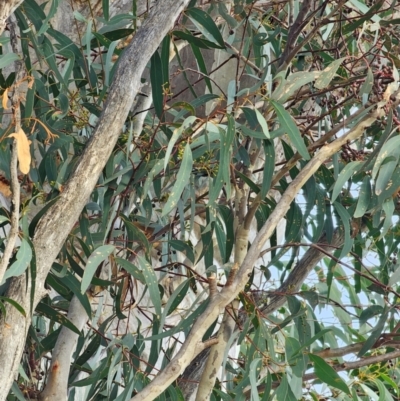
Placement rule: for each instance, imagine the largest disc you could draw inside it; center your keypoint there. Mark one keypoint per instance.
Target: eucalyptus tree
(200, 200)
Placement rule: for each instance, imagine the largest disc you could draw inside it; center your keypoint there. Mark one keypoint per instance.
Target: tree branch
(191, 346)
(345, 366)
(57, 381)
(55, 225)
(15, 188)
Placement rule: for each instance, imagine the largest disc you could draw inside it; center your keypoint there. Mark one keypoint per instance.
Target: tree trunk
(55, 225)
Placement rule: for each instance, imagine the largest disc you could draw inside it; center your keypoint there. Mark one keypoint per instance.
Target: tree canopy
(199, 200)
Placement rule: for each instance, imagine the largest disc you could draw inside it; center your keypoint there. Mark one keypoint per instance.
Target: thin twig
(15, 188)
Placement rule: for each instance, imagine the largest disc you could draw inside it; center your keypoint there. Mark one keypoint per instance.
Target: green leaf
(157, 168)
(109, 63)
(347, 171)
(253, 375)
(290, 127)
(267, 388)
(364, 198)
(384, 395)
(370, 312)
(388, 207)
(135, 234)
(183, 247)
(157, 82)
(49, 15)
(327, 374)
(199, 42)
(165, 54)
(7, 59)
(185, 108)
(366, 87)
(390, 148)
(131, 269)
(345, 219)
(263, 124)
(182, 179)
(24, 256)
(292, 84)
(187, 123)
(328, 74)
(375, 333)
(15, 304)
(202, 65)
(223, 176)
(151, 281)
(184, 324)
(206, 25)
(372, 12)
(106, 9)
(98, 256)
(17, 392)
(56, 316)
(284, 392)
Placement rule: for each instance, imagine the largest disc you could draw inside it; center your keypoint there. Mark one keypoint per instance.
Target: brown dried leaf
(50, 135)
(23, 150)
(5, 99)
(31, 81)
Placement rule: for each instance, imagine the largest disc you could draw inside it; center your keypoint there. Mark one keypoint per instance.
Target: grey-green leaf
(98, 256)
(343, 177)
(152, 284)
(327, 374)
(207, 26)
(364, 197)
(24, 256)
(328, 74)
(182, 179)
(291, 129)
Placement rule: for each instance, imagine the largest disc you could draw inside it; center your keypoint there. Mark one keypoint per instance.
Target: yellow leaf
(5, 99)
(23, 150)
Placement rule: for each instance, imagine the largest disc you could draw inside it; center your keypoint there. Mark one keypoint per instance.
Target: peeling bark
(6, 9)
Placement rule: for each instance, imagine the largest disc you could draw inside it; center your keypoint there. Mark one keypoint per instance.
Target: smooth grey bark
(55, 225)
(57, 382)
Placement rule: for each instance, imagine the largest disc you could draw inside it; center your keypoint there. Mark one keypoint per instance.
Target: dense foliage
(241, 98)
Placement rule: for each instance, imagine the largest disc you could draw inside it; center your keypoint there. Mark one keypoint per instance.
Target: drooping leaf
(7, 59)
(152, 284)
(375, 333)
(328, 74)
(327, 374)
(54, 315)
(370, 312)
(15, 304)
(343, 177)
(206, 24)
(157, 82)
(24, 256)
(291, 129)
(23, 150)
(364, 197)
(98, 256)
(182, 179)
(284, 392)
(292, 84)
